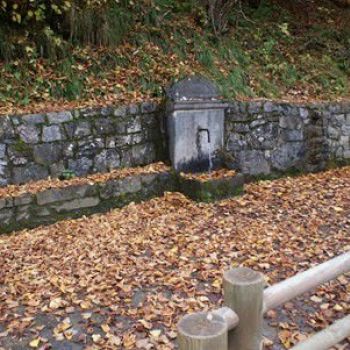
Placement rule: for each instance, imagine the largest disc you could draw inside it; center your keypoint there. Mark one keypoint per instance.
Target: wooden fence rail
(238, 325)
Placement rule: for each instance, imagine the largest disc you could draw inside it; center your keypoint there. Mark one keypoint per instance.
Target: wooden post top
(202, 325)
(243, 276)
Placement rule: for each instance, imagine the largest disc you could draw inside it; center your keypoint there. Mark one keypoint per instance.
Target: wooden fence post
(243, 293)
(202, 331)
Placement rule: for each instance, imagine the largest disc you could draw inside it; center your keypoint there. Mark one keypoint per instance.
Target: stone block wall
(36, 146)
(264, 137)
(261, 137)
(48, 206)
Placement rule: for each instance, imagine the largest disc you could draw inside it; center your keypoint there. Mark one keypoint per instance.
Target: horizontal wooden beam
(230, 317)
(327, 338)
(305, 281)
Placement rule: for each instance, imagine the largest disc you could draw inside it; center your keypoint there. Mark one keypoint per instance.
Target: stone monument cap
(194, 88)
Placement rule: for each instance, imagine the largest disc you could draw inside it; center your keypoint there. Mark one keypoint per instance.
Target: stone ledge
(30, 210)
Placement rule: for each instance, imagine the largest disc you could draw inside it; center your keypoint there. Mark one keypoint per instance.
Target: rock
(288, 155)
(134, 125)
(110, 142)
(257, 122)
(292, 135)
(31, 171)
(107, 160)
(89, 147)
(334, 133)
(345, 141)
(269, 107)
(68, 149)
(6, 217)
(110, 189)
(236, 142)
(47, 154)
(348, 119)
(81, 166)
(340, 118)
(23, 213)
(104, 126)
(56, 169)
(52, 133)
(76, 204)
(42, 211)
(346, 154)
(304, 113)
(19, 161)
(133, 109)
(253, 162)
(60, 117)
(290, 122)
(241, 128)
(255, 107)
(34, 119)
(65, 194)
(82, 129)
(6, 128)
(24, 199)
(130, 184)
(121, 111)
(148, 179)
(143, 154)
(263, 137)
(3, 203)
(148, 107)
(2, 151)
(28, 133)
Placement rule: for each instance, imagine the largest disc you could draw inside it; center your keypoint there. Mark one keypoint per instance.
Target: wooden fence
(238, 325)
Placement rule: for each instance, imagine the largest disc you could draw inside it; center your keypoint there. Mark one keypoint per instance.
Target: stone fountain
(195, 125)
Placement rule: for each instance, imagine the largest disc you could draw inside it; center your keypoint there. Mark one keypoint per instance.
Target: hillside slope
(299, 52)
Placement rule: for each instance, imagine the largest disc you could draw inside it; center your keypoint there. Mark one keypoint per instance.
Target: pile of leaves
(42, 185)
(123, 280)
(208, 176)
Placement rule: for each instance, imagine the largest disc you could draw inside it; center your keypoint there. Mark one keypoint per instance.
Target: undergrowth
(269, 52)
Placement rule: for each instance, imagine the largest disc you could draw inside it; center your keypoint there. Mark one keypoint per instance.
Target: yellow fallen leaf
(96, 338)
(338, 307)
(156, 333)
(34, 343)
(216, 283)
(105, 328)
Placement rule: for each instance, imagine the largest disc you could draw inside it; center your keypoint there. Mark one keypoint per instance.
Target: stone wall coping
(34, 187)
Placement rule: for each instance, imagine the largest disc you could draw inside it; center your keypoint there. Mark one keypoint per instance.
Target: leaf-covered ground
(123, 279)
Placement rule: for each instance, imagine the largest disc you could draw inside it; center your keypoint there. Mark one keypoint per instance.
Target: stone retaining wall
(266, 137)
(36, 146)
(51, 205)
(260, 138)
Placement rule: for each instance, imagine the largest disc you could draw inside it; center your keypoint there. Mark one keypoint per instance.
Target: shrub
(46, 27)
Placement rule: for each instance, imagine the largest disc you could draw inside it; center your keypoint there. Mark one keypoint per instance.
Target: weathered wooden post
(243, 293)
(202, 331)
(206, 330)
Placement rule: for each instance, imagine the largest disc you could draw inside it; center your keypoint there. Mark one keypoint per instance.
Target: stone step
(47, 201)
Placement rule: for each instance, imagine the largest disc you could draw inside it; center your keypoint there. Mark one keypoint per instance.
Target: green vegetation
(78, 54)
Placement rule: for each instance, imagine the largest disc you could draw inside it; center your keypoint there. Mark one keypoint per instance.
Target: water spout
(207, 131)
(209, 148)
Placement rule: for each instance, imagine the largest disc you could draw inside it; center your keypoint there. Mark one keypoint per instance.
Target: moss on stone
(21, 147)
